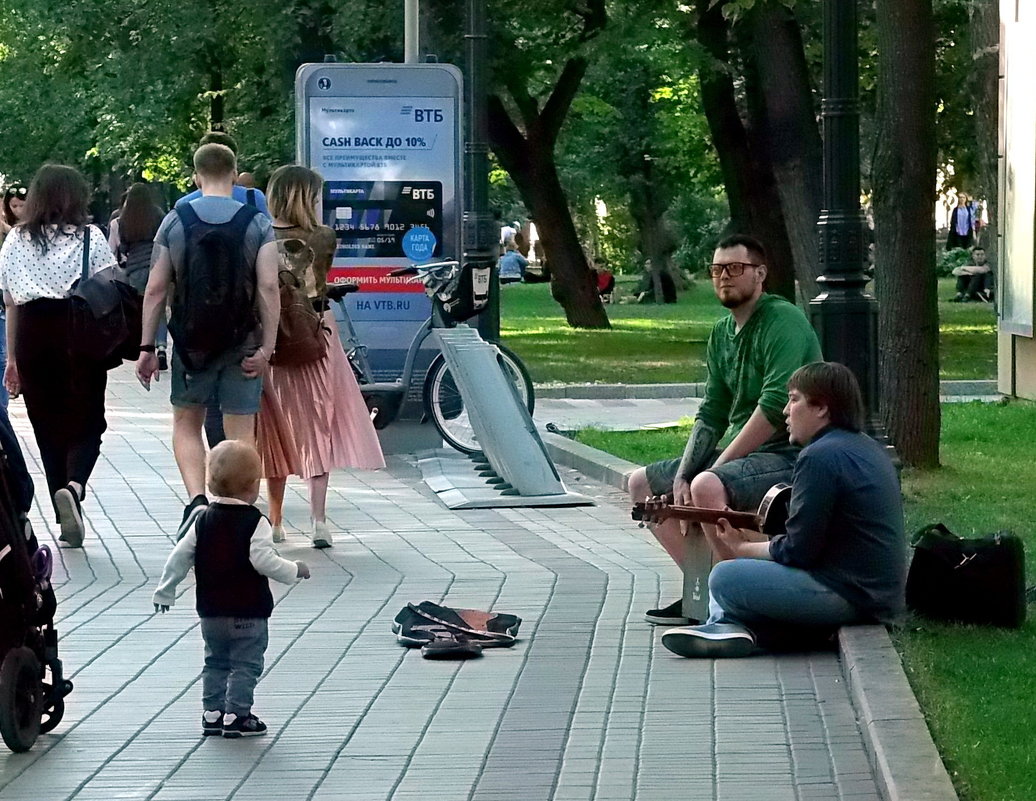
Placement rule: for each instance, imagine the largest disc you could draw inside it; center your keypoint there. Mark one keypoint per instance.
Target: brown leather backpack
(300, 330)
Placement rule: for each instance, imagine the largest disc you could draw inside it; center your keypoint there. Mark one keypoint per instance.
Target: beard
(732, 299)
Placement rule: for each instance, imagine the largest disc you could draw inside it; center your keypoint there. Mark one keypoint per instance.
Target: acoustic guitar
(769, 518)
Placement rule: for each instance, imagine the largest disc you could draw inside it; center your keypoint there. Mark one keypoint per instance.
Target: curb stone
(904, 760)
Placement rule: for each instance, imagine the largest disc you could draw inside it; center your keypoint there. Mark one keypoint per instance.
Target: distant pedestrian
(512, 264)
(230, 547)
(221, 258)
(131, 236)
(312, 417)
(10, 216)
(41, 259)
(962, 225)
(244, 190)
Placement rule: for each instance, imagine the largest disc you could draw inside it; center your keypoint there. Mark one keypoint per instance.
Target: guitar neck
(698, 515)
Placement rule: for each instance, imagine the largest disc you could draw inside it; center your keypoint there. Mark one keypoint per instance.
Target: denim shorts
(746, 480)
(222, 383)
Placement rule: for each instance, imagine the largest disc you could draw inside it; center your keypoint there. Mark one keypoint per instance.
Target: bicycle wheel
(444, 405)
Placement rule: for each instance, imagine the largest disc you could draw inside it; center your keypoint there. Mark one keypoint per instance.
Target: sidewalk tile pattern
(586, 707)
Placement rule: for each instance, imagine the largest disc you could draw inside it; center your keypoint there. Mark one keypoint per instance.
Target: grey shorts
(746, 480)
(222, 383)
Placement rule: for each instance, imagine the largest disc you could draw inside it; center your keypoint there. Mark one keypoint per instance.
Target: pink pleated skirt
(312, 418)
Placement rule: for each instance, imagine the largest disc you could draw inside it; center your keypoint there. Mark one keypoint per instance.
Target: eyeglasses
(734, 268)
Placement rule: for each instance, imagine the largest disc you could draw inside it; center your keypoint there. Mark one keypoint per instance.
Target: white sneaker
(278, 533)
(321, 535)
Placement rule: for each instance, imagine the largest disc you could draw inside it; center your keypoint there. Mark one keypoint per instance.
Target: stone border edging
(903, 756)
(905, 761)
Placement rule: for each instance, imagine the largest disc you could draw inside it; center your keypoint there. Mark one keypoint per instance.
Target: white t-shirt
(28, 275)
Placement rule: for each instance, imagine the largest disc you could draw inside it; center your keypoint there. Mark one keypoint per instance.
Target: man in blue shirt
(242, 191)
(842, 559)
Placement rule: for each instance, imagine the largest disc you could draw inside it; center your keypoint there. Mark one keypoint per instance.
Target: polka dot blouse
(26, 274)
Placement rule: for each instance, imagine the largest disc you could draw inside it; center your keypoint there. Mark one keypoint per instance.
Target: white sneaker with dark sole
(711, 641)
(321, 535)
(278, 532)
(70, 515)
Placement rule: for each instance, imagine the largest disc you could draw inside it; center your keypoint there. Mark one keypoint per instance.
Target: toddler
(230, 546)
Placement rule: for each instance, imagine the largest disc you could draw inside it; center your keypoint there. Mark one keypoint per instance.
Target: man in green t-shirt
(751, 354)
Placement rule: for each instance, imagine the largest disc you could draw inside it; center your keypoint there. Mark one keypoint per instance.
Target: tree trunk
(755, 206)
(792, 136)
(529, 160)
(648, 205)
(904, 217)
(985, 53)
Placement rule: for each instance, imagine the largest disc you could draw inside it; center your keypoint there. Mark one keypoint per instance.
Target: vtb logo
(428, 115)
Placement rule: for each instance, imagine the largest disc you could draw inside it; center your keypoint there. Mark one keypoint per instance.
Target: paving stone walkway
(587, 705)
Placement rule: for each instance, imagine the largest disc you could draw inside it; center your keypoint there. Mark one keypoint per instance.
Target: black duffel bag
(104, 314)
(979, 580)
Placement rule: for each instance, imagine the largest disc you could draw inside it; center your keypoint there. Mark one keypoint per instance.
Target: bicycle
(440, 397)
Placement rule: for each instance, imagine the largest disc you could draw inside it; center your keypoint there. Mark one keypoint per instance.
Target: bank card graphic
(372, 218)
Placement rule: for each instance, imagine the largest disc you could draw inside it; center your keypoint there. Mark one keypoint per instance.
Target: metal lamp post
(844, 314)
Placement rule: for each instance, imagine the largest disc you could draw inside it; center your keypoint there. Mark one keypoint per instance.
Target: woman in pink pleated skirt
(312, 418)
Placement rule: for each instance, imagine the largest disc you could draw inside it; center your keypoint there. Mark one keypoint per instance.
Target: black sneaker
(163, 361)
(671, 615)
(190, 513)
(711, 641)
(212, 722)
(70, 516)
(242, 726)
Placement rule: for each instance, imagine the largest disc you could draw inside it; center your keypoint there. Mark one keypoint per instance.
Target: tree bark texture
(790, 135)
(648, 204)
(529, 159)
(904, 217)
(752, 196)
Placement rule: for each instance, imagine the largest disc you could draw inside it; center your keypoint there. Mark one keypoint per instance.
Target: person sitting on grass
(230, 546)
(974, 280)
(842, 559)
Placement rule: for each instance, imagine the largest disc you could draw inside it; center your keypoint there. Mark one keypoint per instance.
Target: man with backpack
(220, 257)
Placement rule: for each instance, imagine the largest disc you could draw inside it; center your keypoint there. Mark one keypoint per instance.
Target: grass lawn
(977, 686)
(650, 344)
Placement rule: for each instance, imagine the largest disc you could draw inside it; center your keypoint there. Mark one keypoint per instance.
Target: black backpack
(135, 258)
(214, 298)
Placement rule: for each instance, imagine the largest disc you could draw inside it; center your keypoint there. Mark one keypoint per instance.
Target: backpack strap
(86, 253)
(188, 216)
(250, 194)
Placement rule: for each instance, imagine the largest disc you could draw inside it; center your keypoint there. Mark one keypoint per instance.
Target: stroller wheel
(53, 711)
(21, 698)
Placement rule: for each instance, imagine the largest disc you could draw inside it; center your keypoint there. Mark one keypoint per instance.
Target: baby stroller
(32, 687)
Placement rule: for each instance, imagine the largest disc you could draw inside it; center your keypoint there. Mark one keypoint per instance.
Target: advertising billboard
(387, 140)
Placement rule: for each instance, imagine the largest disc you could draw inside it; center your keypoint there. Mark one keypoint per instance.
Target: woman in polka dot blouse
(64, 396)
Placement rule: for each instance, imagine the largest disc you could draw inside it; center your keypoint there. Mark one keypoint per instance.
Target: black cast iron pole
(844, 314)
(480, 235)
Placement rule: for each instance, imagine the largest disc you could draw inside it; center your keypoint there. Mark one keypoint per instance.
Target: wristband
(147, 348)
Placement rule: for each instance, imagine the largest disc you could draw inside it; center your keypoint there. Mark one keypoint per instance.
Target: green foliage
(698, 221)
(949, 260)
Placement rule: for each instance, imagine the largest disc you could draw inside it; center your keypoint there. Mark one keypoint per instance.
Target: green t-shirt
(751, 367)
